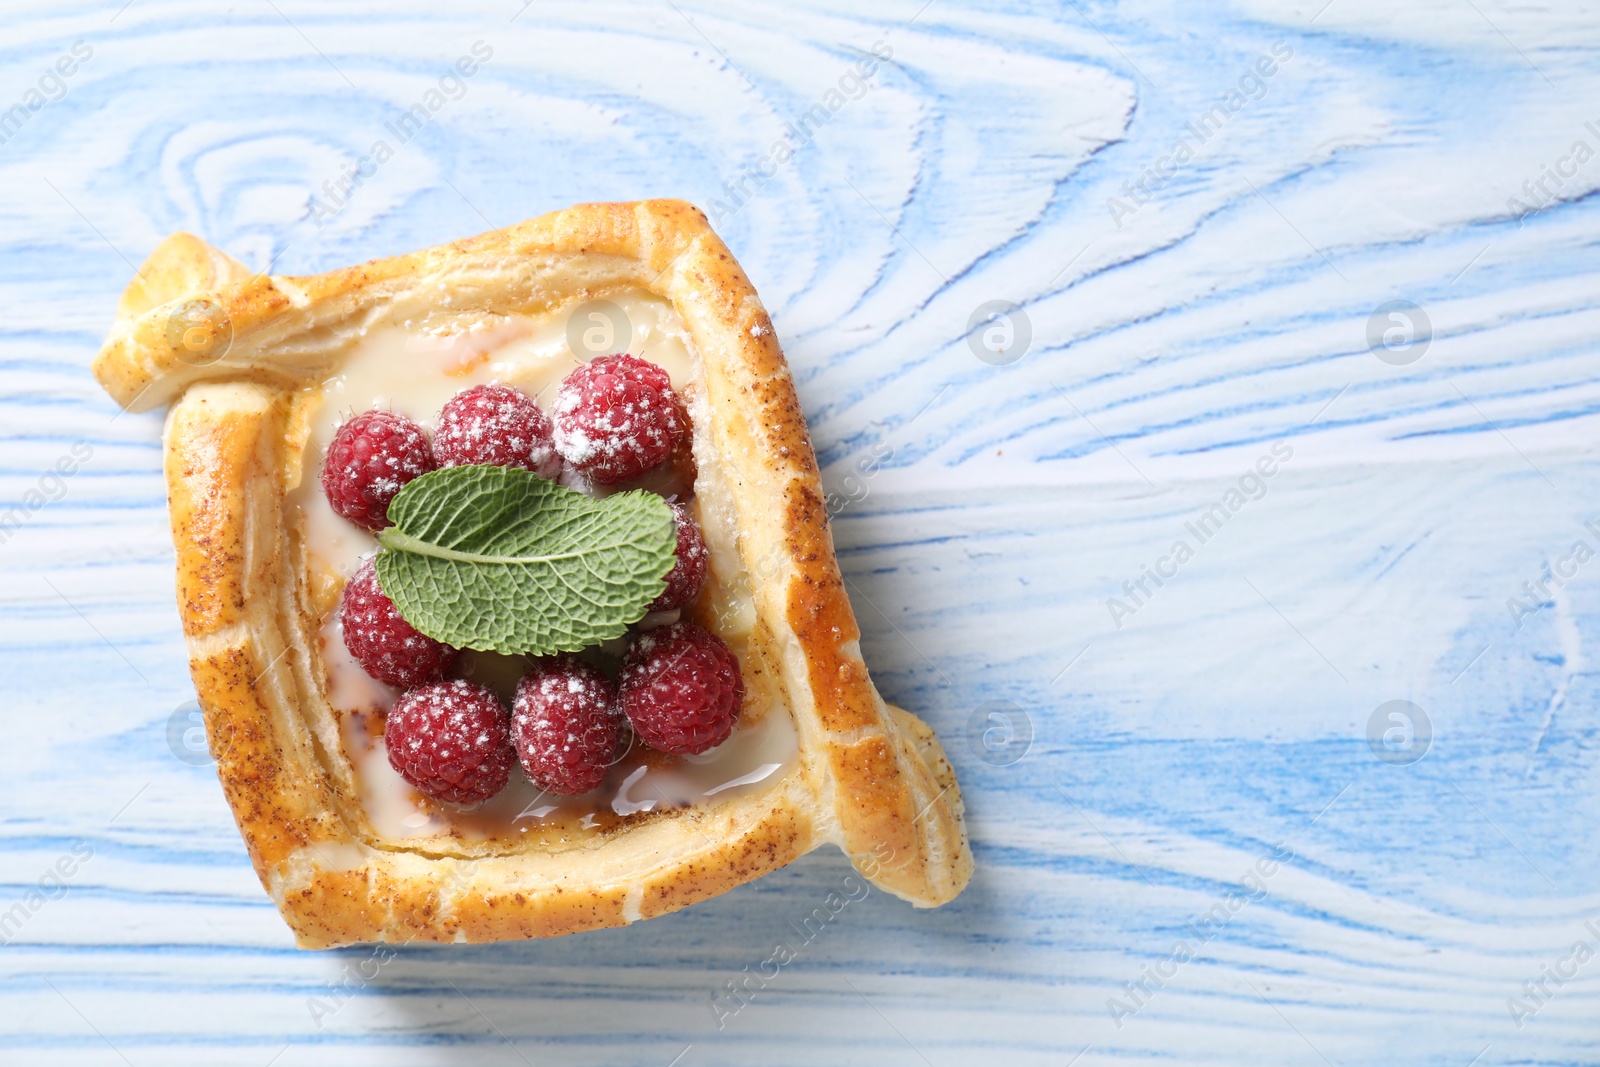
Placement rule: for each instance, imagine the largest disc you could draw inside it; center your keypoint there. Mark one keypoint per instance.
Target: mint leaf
(498, 559)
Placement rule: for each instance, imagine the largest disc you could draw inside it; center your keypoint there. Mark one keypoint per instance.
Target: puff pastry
(867, 777)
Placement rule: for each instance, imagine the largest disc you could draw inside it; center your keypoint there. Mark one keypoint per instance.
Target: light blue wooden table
(1204, 834)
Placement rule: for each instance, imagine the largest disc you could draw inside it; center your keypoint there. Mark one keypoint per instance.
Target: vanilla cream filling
(414, 372)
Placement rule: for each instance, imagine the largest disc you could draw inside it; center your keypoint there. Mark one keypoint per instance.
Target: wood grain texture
(1396, 913)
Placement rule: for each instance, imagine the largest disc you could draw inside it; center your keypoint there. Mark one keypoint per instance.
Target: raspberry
(689, 572)
(451, 741)
(371, 457)
(497, 425)
(566, 725)
(681, 688)
(615, 418)
(387, 647)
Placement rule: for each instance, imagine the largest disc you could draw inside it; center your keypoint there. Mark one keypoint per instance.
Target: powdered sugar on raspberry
(387, 647)
(681, 688)
(497, 425)
(566, 725)
(451, 740)
(616, 418)
(369, 460)
(688, 572)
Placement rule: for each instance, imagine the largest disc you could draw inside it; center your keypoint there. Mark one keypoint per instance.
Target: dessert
(500, 637)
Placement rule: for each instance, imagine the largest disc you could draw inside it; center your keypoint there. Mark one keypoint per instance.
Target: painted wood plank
(1198, 855)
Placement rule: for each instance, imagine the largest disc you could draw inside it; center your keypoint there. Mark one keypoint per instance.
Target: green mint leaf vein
(500, 560)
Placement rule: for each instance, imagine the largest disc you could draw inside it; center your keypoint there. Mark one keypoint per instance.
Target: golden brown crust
(872, 778)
